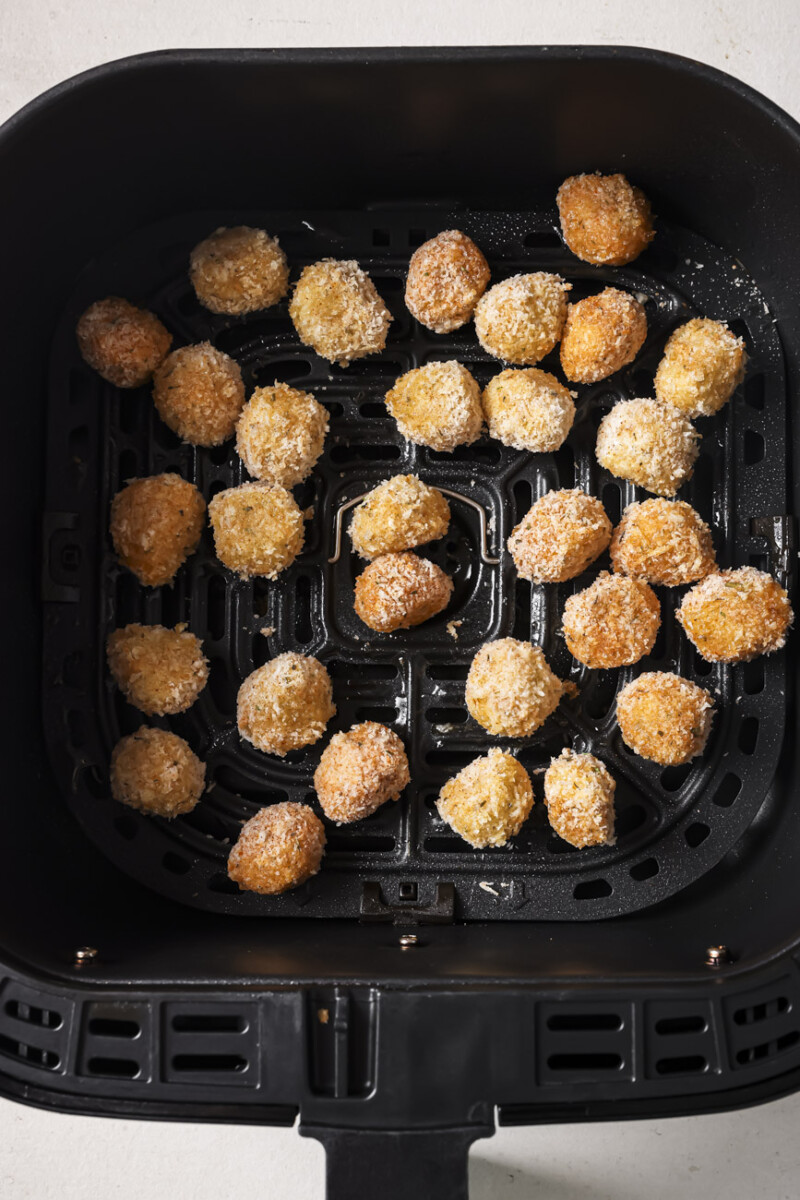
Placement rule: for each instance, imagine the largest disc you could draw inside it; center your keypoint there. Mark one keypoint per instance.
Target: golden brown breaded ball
(579, 794)
(703, 364)
(438, 405)
(510, 689)
(663, 541)
(258, 529)
(521, 319)
(559, 536)
(281, 433)
(359, 771)
(239, 270)
(665, 718)
(285, 704)
(604, 219)
(278, 849)
(400, 513)
(121, 342)
(160, 671)
(199, 394)
(649, 443)
(156, 523)
(397, 591)
(447, 276)
(602, 335)
(613, 623)
(488, 801)
(736, 615)
(337, 311)
(528, 409)
(156, 772)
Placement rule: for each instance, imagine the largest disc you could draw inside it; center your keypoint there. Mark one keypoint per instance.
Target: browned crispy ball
(397, 591)
(281, 433)
(521, 319)
(156, 772)
(438, 405)
(446, 278)
(579, 794)
(613, 623)
(602, 334)
(359, 771)
(736, 615)
(560, 535)
(604, 219)
(122, 343)
(488, 801)
(239, 270)
(156, 524)
(665, 718)
(511, 690)
(528, 409)
(400, 513)
(702, 366)
(199, 394)
(337, 311)
(160, 671)
(649, 443)
(663, 541)
(278, 849)
(285, 704)
(258, 529)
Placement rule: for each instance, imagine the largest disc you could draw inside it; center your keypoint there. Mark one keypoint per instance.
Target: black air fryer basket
(412, 987)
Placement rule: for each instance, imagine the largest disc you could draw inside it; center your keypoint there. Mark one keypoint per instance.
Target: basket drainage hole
(47, 1018)
(674, 778)
(126, 826)
(696, 834)
(754, 391)
(593, 889)
(584, 1022)
(223, 884)
(645, 870)
(584, 1062)
(115, 1068)
(209, 1062)
(110, 1027)
(629, 820)
(754, 447)
(376, 712)
(670, 1026)
(175, 863)
(687, 1064)
(208, 1023)
(753, 675)
(748, 735)
(727, 791)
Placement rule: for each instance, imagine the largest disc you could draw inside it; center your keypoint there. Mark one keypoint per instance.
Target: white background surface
(751, 1155)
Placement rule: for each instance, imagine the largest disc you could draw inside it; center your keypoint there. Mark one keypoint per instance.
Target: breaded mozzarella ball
(488, 801)
(199, 394)
(703, 364)
(158, 670)
(438, 405)
(278, 849)
(156, 524)
(399, 514)
(559, 536)
(285, 704)
(579, 794)
(447, 276)
(663, 541)
(337, 311)
(397, 591)
(649, 443)
(602, 335)
(604, 219)
(258, 529)
(665, 718)
(239, 270)
(521, 319)
(736, 615)
(123, 343)
(359, 771)
(613, 623)
(156, 772)
(528, 409)
(510, 689)
(280, 434)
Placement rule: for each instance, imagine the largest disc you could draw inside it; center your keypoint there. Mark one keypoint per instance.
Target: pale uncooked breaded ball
(559, 536)
(399, 514)
(489, 801)
(258, 529)
(649, 443)
(736, 615)
(238, 270)
(199, 394)
(158, 670)
(397, 591)
(663, 541)
(337, 311)
(528, 409)
(285, 704)
(121, 342)
(604, 219)
(579, 794)
(510, 689)
(281, 433)
(446, 278)
(613, 623)
(156, 772)
(521, 319)
(602, 335)
(156, 523)
(438, 405)
(278, 849)
(665, 718)
(703, 364)
(359, 771)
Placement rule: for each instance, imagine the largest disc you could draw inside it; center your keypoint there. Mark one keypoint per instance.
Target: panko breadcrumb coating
(285, 704)
(579, 794)
(156, 523)
(281, 433)
(613, 623)
(603, 334)
(604, 219)
(399, 514)
(258, 529)
(559, 536)
(521, 319)
(703, 364)
(278, 849)
(665, 718)
(736, 615)
(447, 276)
(337, 311)
(359, 771)
(510, 689)
(397, 591)
(121, 342)
(160, 671)
(438, 405)
(649, 443)
(239, 270)
(489, 801)
(528, 409)
(156, 772)
(663, 541)
(199, 394)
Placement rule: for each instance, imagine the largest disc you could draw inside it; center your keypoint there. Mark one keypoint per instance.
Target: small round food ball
(238, 270)
(604, 219)
(663, 541)
(579, 794)
(438, 405)
(156, 772)
(736, 615)
(359, 771)
(559, 536)
(510, 690)
(665, 718)
(446, 278)
(281, 433)
(397, 591)
(156, 524)
(122, 343)
(489, 801)
(703, 364)
(613, 623)
(258, 529)
(285, 704)
(199, 394)
(400, 513)
(160, 671)
(649, 443)
(528, 409)
(602, 335)
(337, 311)
(278, 849)
(521, 319)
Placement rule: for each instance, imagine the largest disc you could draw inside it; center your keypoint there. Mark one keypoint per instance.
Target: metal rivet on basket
(84, 955)
(717, 956)
(407, 940)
